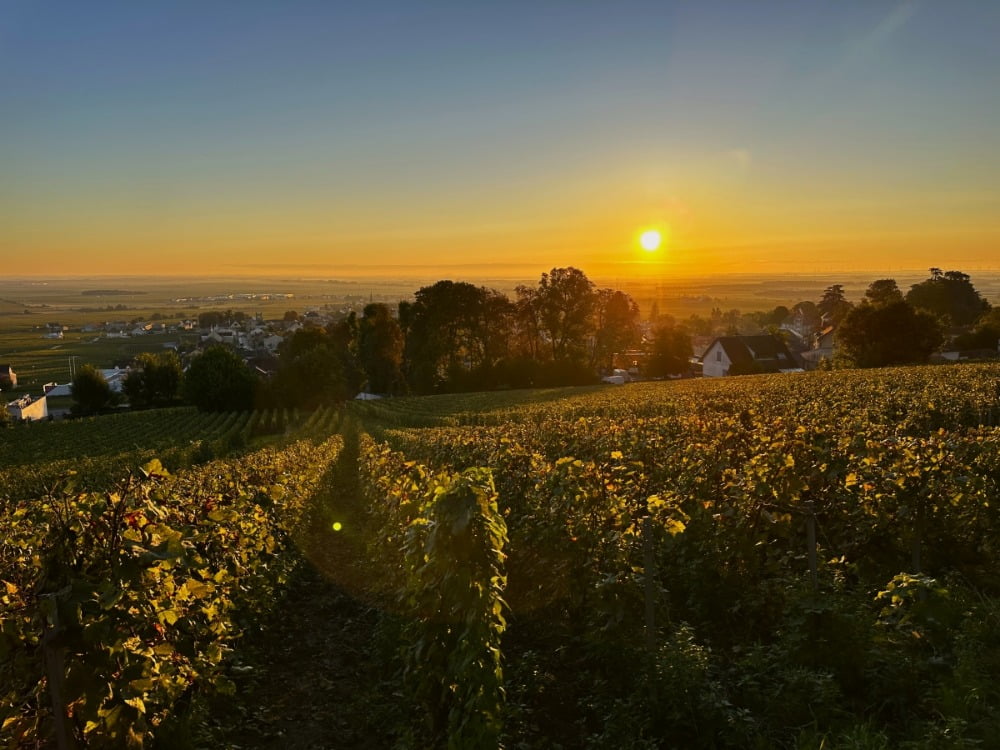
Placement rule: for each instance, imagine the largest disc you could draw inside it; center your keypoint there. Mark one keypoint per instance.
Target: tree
(91, 392)
(156, 381)
(312, 378)
(343, 338)
(211, 319)
(834, 305)
(949, 295)
(302, 341)
(806, 318)
(380, 349)
(616, 325)
(892, 334)
(444, 333)
(985, 335)
(883, 292)
(562, 309)
(671, 352)
(218, 380)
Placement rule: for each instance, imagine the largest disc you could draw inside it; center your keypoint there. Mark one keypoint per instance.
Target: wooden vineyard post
(649, 576)
(811, 543)
(55, 676)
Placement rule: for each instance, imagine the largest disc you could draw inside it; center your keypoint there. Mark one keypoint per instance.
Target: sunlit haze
(495, 139)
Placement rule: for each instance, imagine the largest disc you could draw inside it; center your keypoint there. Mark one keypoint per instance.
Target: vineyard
(768, 562)
(758, 562)
(33, 456)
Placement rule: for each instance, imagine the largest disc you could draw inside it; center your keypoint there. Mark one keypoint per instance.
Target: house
(116, 378)
(56, 389)
(741, 355)
(823, 347)
(271, 343)
(7, 373)
(29, 408)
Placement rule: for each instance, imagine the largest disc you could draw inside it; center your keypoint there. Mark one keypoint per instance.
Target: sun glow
(650, 240)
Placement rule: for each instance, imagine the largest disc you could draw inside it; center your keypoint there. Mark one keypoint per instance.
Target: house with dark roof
(742, 355)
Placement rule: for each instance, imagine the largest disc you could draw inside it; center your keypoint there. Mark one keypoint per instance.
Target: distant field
(38, 360)
(61, 299)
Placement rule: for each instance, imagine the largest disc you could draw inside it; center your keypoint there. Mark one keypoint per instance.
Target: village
(628, 348)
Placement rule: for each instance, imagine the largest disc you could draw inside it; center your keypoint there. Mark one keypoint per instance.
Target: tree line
(457, 336)
(564, 330)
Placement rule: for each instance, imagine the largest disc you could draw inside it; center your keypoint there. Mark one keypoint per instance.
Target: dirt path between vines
(309, 679)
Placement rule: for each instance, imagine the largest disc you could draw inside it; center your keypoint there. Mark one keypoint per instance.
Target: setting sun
(650, 240)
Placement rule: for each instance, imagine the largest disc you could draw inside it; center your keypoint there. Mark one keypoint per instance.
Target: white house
(740, 355)
(28, 408)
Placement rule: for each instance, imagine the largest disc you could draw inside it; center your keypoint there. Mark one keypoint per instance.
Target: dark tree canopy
(156, 381)
(312, 378)
(892, 334)
(616, 323)
(445, 333)
(671, 352)
(380, 349)
(91, 392)
(883, 292)
(302, 341)
(211, 318)
(218, 380)
(561, 308)
(343, 338)
(949, 295)
(834, 305)
(985, 335)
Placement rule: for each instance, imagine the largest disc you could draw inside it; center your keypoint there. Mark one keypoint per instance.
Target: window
(718, 355)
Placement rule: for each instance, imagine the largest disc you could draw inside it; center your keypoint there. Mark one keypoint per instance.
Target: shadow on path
(307, 678)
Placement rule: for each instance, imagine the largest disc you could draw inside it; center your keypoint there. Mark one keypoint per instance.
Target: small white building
(29, 408)
(741, 355)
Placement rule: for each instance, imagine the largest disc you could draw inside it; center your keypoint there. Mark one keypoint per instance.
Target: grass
(38, 360)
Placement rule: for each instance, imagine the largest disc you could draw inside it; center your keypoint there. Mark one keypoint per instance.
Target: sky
(484, 138)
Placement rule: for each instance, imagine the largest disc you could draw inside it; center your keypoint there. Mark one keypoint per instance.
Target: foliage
(120, 607)
(772, 561)
(616, 325)
(780, 509)
(442, 544)
(380, 350)
(950, 295)
(218, 380)
(834, 305)
(888, 334)
(883, 292)
(91, 392)
(452, 329)
(559, 311)
(985, 335)
(155, 381)
(310, 373)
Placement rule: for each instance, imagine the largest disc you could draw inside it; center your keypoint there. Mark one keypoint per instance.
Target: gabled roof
(767, 351)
